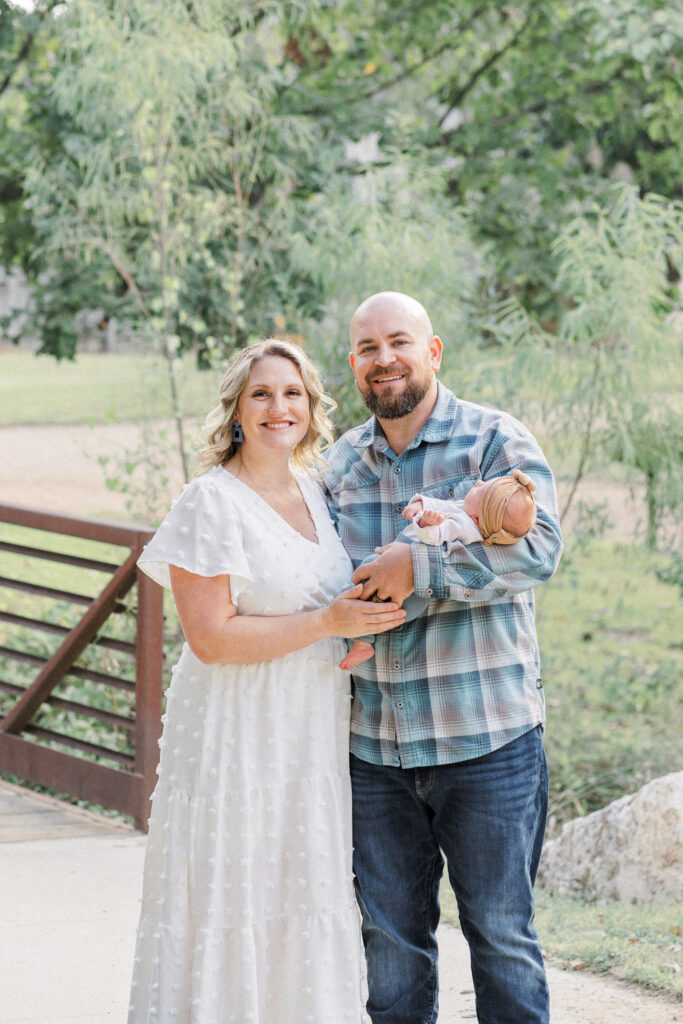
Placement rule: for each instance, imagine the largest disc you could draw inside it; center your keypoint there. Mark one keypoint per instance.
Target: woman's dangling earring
(237, 432)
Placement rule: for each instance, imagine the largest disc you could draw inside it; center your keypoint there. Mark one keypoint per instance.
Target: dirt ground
(55, 469)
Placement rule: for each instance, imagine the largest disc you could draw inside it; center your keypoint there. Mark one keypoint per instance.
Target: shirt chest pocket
(357, 514)
(449, 489)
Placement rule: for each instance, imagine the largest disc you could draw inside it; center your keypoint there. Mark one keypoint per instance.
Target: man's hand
(389, 577)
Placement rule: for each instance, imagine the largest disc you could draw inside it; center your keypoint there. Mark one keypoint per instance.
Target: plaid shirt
(464, 677)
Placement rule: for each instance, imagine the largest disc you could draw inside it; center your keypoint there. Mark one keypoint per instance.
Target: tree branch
(456, 97)
(21, 56)
(10, 192)
(367, 94)
(26, 46)
(408, 72)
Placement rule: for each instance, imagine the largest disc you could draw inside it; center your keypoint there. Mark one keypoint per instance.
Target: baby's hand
(412, 509)
(430, 517)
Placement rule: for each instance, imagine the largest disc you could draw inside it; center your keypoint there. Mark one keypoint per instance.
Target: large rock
(631, 850)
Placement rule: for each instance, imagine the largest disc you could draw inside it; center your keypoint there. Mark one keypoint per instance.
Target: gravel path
(576, 997)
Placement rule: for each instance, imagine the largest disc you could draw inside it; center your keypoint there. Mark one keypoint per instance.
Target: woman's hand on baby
(349, 616)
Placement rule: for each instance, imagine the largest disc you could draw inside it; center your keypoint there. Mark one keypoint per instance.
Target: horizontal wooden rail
(80, 672)
(74, 526)
(35, 588)
(95, 749)
(52, 627)
(58, 556)
(74, 706)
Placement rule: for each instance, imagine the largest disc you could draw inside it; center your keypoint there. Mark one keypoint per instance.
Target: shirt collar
(439, 426)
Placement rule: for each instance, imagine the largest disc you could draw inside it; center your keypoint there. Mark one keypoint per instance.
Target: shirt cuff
(428, 571)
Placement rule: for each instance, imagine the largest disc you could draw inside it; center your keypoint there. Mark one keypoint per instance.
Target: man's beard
(392, 407)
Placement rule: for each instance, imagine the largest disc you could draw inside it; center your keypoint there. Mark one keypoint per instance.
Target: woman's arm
(216, 633)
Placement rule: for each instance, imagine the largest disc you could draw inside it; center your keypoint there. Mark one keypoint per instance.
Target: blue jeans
(488, 817)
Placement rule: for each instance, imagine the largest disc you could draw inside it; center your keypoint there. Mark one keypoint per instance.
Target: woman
(248, 911)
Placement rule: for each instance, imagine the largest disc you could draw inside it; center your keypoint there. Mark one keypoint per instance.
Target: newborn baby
(497, 511)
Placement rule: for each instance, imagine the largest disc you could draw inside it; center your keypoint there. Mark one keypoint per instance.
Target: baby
(498, 511)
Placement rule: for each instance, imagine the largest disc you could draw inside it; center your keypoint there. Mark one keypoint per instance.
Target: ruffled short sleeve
(202, 533)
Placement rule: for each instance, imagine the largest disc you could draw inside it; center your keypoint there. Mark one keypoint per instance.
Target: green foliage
(170, 188)
(612, 268)
(651, 441)
(205, 124)
(530, 111)
(141, 473)
(671, 571)
(26, 59)
(586, 379)
(171, 169)
(611, 655)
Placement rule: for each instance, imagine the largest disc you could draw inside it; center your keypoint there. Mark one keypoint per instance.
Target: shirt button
(429, 591)
(397, 664)
(467, 595)
(399, 703)
(397, 469)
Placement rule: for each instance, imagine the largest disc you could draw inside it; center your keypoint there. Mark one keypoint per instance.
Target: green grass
(97, 388)
(641, 945)
(612, 659)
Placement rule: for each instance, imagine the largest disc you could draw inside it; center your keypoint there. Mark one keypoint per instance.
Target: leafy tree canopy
(257, 115)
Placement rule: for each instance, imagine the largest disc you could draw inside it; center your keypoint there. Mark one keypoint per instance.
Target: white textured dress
(248, 913)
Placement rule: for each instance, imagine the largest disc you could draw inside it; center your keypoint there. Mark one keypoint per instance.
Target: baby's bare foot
(360, 652)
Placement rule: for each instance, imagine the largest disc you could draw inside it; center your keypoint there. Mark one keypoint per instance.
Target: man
(447, 718)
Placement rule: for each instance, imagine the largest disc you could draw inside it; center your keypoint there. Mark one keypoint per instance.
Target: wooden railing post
(149, 655)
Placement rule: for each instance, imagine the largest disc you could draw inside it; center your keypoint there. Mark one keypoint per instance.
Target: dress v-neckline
(297, 533)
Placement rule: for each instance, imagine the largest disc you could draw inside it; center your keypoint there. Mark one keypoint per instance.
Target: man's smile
(387, 378)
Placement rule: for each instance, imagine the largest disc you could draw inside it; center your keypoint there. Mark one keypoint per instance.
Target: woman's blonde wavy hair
(220, 446)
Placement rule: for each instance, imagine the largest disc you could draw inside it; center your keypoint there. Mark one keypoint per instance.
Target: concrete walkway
(69, 901)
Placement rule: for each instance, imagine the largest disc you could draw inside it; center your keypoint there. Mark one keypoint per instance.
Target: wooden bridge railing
(96, 741)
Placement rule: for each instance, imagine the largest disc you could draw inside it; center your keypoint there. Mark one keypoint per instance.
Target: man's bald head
(398, 304)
